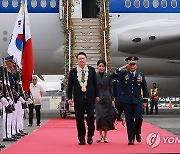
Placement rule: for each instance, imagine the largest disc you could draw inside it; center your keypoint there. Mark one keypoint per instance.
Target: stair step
(86, 23)
(89, 40)
(95, 30)
(89, 54)
(87, 37)
(87, 48)
(87, 51)
(87, 44)
(86, 26)
(85, 20)
(86, 33)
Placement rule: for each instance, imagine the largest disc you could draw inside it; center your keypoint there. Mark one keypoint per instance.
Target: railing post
(104, 32)
(69, 50)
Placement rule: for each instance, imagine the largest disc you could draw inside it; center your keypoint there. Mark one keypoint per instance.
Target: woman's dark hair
(101, 61)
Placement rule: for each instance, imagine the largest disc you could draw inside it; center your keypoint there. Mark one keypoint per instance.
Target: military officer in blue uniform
(134, 97)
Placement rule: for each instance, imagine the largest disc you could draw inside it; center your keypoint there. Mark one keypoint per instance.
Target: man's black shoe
(25, 133)
(2, 146)
(22, 132)
(38, 125)
(89, 140)
(131, 142)
(30, 125)
(81, 143)
(16, 137)
(9, 139)
(138, 138)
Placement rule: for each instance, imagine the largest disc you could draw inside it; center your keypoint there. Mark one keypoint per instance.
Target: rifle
(19, 87)
(10, 108)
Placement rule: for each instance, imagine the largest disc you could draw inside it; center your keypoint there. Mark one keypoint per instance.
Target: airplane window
(34, 3)
(128, 3)
(14, 3)
(43, 3)
(5, 39)
(5, 3)
(137, 39)
(146, 3)
(137, 3)
(174, 3)
(53, 3)
(5, 32)
(164, 3)
(155, 3)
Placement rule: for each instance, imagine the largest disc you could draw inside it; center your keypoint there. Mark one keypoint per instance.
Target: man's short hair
(82, 53)
(34, 77)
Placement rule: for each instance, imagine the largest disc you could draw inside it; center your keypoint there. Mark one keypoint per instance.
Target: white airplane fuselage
(159, 60)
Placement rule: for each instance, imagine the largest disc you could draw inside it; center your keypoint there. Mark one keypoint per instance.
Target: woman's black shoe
(100, 139)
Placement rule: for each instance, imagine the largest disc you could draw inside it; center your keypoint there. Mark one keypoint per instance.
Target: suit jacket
(105, 87)
(117, 90)
(134, 88)
(75, 88)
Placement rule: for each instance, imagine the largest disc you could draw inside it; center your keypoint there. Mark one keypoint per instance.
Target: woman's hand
(97, 99)
(113, 103)
(70, 101)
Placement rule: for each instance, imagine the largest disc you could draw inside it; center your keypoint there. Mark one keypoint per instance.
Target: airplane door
(77, 9)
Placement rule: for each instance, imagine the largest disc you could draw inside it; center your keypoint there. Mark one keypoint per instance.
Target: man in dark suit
(117, 89)
(133, 86)
(82, 84)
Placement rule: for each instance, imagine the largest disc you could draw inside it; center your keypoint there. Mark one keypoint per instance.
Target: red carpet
(60, 136)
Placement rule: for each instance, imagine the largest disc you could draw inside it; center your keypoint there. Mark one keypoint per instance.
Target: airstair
(87, 38)
(90, 35)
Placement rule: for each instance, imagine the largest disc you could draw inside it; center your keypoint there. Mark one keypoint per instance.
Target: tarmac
(168, 119)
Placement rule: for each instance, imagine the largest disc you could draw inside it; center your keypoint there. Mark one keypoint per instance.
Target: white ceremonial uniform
(14, 120)
(29, 101)
(20, 114)
(7, 119)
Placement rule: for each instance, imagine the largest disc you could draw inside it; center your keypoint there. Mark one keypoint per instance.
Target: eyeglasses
(34, 79)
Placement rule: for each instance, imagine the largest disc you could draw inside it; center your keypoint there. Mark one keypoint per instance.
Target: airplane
(148, 29)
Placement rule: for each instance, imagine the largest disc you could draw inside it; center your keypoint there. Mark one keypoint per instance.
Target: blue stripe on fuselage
(118, 6)
(37, 9)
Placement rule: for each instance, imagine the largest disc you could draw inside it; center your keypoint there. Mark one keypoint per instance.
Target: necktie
(83, 75)
(132, 74)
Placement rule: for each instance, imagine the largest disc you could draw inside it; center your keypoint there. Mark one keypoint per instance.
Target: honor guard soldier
(133, 82)
(4, 103)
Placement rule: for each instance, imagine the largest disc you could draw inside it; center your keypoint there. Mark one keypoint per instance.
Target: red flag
(27, 54)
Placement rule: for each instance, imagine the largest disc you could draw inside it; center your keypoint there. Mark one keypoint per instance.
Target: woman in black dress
(103, 109)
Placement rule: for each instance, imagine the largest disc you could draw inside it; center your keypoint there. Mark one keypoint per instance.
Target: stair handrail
(68, 34)
(104, 19)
